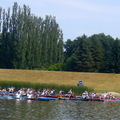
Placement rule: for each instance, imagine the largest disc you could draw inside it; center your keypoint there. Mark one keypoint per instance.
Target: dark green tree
(96, 49)
(0, 18)
(5, 41)
(0, 37)
(69, 48)
(82, 57)
(28, 41)
(115, 57)
(60, 45)
(107, 43)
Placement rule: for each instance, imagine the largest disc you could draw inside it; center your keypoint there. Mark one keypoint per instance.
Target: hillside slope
(99, 81)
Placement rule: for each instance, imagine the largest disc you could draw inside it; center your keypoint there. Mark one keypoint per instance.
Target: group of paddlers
(26, 92)
(29, 92)
(91, 95)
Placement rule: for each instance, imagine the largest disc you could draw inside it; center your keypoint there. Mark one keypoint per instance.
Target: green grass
(18, 85)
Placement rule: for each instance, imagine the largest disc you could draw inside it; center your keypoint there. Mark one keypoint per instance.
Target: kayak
(9, 96)
(56, 97)
(46, 98)
(78, 99)
(95, 99)
(117, 100)
(108, 99)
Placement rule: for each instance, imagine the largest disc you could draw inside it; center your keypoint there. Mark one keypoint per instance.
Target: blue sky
(77, 17)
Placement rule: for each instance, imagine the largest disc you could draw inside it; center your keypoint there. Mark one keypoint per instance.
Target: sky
(77, 17)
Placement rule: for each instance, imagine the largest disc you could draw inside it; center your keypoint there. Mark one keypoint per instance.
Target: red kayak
(108, 99)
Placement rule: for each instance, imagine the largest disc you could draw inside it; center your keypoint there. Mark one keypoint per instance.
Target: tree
(96, 49)
(5, 41)
(0, 37)
(0, 50)
(60, 45)
(69, 48)
(28, 41)
(115, 55)
(0, 18)
(82, 57)
(107, 43)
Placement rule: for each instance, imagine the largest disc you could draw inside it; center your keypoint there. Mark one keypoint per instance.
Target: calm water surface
(58, 110)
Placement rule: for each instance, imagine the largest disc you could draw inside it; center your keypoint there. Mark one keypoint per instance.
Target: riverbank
(101, 82)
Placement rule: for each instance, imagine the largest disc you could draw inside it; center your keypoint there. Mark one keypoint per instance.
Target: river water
(58, 110)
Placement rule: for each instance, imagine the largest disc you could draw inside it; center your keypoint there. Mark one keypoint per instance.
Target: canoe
(95, 99)
(78, 99)
(55, 97)
(9, 96)
(46, 98)
(73, 99)
(91, 99)
(117, 100)
(81, 99)
(108, 99)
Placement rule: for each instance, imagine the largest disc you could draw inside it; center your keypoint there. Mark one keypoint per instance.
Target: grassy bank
(18, 85)
(101, 82)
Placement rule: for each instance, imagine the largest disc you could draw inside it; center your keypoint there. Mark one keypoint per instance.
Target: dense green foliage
(28, 41)
(31, 42)
(18, 85)
(97, 53)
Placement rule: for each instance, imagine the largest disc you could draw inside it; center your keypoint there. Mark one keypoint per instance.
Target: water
(58, 110)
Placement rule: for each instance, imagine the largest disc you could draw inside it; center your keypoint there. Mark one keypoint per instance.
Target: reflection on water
(58, 110)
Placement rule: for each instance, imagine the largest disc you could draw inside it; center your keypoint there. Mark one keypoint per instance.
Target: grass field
(101, 82)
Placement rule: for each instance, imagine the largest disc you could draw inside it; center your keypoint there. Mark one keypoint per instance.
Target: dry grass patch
(98, 81)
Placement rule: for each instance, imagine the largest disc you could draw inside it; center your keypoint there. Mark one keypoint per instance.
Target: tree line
(28, 41)
(97, 53)
(31, 42)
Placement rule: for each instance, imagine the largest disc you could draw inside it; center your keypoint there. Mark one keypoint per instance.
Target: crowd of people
(29, 92)
(106, 95)
(26, 92)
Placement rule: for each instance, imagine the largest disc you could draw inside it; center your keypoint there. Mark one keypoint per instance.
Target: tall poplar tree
(28, 41)
(6, 48)
(0, 18)
(0, 37)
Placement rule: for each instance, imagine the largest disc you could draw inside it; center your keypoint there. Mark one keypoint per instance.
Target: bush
(56, 67)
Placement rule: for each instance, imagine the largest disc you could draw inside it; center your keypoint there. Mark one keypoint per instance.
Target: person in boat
(70, 91)
(24, 92)
(104, 95)
(111, 96)
(60, 97)
(85, 95)
(92, 95)
(18, 95)
(43, 92)
(72, 95)
(61, 92)
(48, 93)
(29, 95)
(11, 90)
(38, 93)
(52, 92)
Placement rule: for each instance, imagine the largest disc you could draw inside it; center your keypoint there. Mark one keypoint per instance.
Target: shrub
(56, 67)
